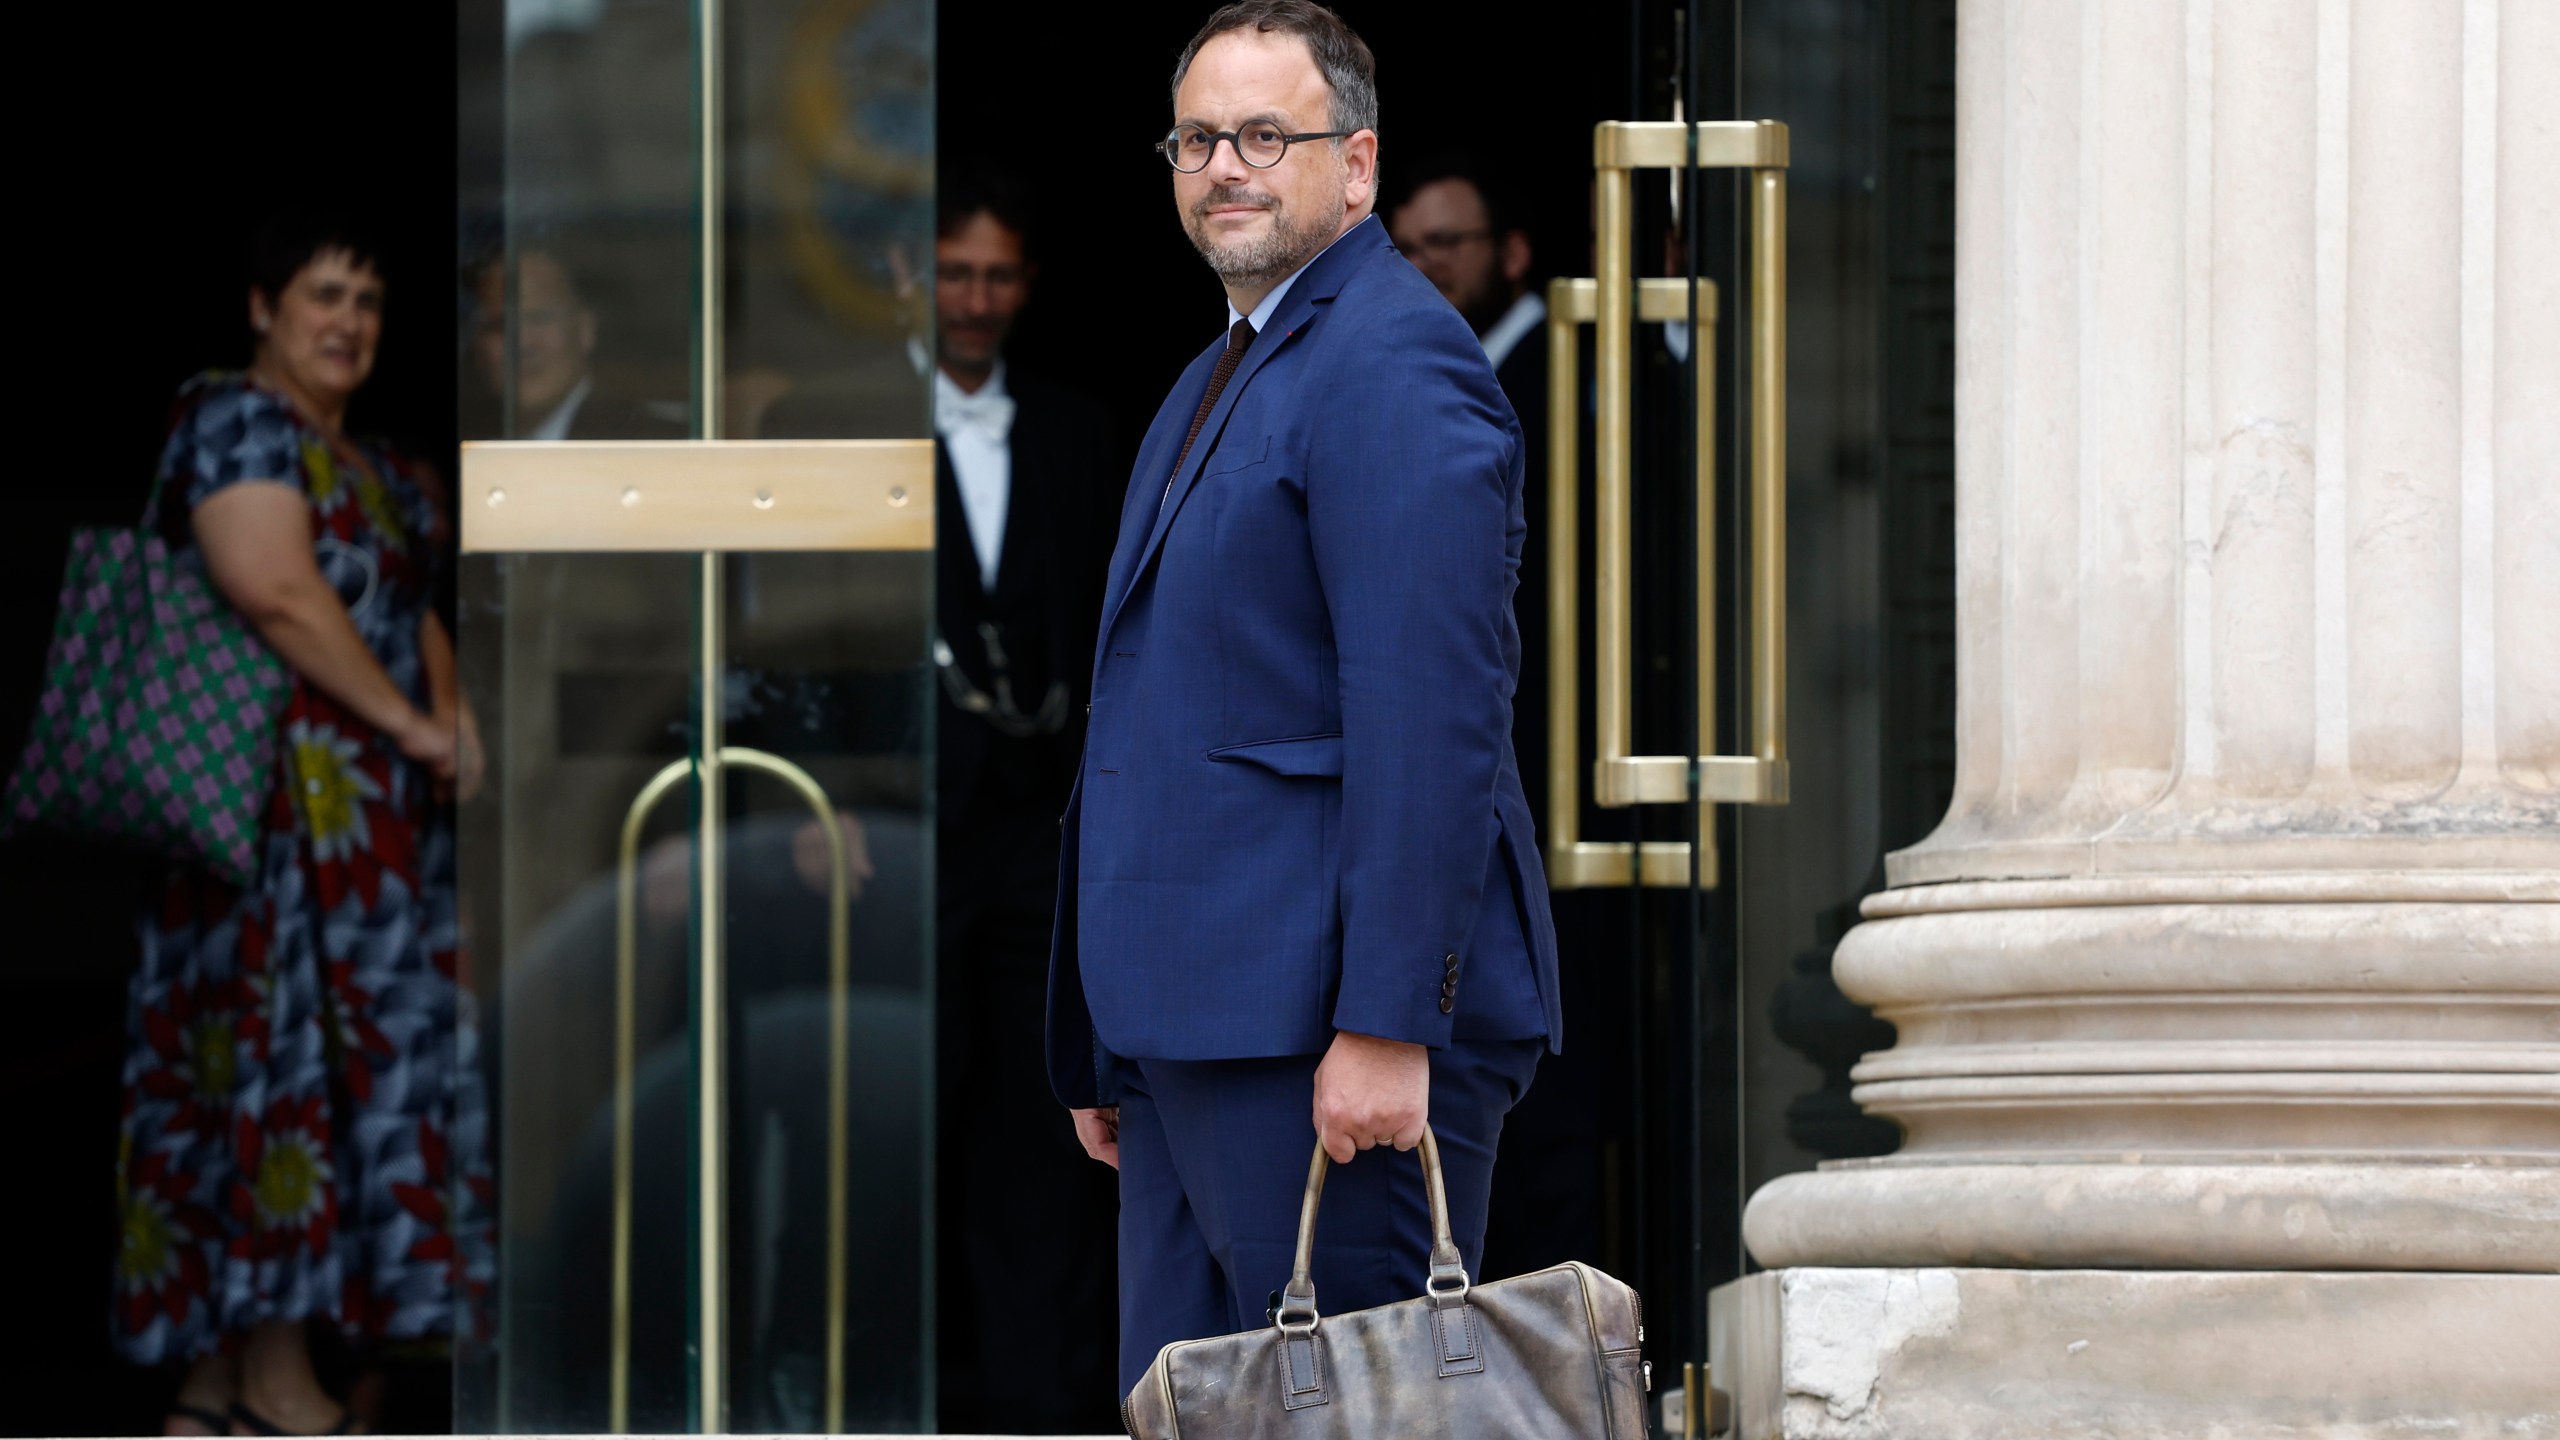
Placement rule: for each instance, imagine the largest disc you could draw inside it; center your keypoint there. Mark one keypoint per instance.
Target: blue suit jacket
(1298, 810)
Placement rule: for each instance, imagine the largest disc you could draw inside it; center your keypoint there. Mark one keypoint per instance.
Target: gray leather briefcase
(1546, 1356)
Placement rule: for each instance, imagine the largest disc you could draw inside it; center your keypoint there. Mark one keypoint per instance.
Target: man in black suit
(1454, 220)
(1028, 489)
(553, 370)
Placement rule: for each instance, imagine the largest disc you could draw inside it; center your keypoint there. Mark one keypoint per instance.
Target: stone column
(2239, 948)
(2240, 944)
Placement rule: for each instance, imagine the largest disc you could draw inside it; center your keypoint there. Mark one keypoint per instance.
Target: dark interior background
(187, 124)
(1123, 302)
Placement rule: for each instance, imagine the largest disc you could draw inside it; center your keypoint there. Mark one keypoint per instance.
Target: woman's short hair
(1349, 69)
(289, 239)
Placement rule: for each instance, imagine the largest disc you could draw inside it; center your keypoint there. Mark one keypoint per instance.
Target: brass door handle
(1614, 302)
(1574, 863)
(626, 1062)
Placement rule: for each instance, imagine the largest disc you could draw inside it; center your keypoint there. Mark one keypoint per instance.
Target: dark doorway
(140, 206)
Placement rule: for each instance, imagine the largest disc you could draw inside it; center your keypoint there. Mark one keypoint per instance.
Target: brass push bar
(1618, 777)
(1616, 301)
(839, 1062)
(1574, 863)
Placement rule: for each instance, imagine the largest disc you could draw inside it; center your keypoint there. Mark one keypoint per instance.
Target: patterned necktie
(1237, 340)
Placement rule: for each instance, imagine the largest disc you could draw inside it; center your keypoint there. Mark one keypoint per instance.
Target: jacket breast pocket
(1234, 455)
(1274, 632)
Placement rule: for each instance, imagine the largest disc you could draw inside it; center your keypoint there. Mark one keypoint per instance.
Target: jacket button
(1448, 1003)
(1450, 965)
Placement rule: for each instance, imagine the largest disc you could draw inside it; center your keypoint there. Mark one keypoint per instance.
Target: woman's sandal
(257, 1424)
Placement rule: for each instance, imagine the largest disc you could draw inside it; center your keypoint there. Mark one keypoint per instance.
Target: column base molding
(2149, 1211)
(2236, 1072)
(1918, 1354)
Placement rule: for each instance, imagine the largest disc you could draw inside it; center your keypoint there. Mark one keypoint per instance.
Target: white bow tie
(987, 412)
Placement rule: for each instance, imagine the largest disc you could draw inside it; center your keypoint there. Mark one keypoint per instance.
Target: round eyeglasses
(1259, 144)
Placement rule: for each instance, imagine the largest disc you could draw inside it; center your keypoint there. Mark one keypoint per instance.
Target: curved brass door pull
(839, 1062)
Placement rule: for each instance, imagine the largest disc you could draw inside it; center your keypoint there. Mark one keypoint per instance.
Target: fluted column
(2239, 946)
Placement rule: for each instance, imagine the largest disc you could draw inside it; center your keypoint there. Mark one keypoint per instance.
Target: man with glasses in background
(1300, 894)
(550, 358)
(1452, 217)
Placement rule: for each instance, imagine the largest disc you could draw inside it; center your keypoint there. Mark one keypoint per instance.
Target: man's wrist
(1420, 1024)
(1369, 1039)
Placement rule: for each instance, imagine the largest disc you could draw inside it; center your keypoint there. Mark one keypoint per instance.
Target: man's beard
(1277, 253)
(1485, 308)
(1481, 294)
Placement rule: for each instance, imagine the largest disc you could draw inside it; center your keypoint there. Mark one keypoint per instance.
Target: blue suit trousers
(1213, 1167)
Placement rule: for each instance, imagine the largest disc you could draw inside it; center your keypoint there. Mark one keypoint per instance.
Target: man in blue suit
(1299, 892)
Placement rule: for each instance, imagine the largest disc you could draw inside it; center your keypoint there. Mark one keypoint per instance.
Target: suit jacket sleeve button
(1448, 1004)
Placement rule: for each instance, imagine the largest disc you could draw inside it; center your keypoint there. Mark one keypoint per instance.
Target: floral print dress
(302, 1119)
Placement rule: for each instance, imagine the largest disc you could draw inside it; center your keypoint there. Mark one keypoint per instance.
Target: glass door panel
(827, 932)
(696, 613)
(1680, 462)
(582, 702)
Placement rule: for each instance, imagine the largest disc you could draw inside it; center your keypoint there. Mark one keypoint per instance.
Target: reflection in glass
(583, 316)
(581, 701)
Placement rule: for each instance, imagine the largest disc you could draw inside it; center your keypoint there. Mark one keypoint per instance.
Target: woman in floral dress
(300, 1115)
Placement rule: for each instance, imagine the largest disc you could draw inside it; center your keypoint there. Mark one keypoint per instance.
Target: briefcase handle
(1447, 1286)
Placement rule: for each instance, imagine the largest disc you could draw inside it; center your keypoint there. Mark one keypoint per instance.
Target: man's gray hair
(1339, 52)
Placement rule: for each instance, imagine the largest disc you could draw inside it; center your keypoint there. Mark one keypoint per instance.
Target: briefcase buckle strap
(1447, 1288)
(1461, 1352)
(1302, 1371)
(1297, 1310)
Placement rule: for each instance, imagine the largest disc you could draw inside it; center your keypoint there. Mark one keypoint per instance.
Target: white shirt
(555, 426)
(978, 431)
(1517, 323)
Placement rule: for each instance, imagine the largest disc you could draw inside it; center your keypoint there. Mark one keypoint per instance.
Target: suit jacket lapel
(1322, 281)
(1293, 315)
(1155, 457)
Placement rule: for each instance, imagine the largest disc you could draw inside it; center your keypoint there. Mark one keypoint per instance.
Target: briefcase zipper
(1644, 1368)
